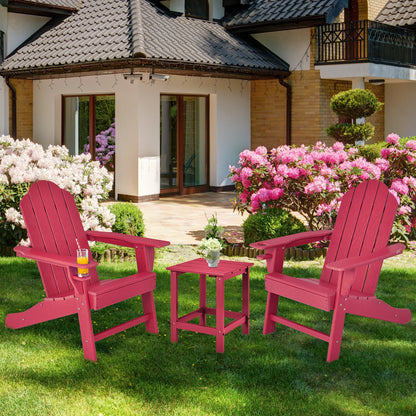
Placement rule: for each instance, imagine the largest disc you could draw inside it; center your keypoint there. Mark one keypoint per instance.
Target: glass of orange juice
(82, 258)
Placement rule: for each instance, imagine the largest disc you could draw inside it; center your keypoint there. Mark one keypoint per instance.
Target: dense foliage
(129, 219)
(312, 180)
(23, 162)
(270, 223)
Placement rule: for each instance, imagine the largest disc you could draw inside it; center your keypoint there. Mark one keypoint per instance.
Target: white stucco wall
(400, 109)
(20, 27)
(138, 122)
(293, 46)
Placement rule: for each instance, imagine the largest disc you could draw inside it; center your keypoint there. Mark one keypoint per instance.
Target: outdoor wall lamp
(159, 77)
(132, 77)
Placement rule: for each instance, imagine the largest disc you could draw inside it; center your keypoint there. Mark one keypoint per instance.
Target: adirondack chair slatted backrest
(54, 226)
(363, 224)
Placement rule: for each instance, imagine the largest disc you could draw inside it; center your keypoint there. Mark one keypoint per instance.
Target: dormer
(200, 9)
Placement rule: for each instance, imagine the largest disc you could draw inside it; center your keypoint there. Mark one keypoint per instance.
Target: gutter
(288, 111)
(14, 106)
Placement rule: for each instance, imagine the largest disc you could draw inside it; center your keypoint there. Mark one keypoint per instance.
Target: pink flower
(394, 193)
(275, 193)
(384, 152)
(410, 181)
(399, 186)
(383, 164)
(393, 138)
(261, 150)
(293, 173)
(411, 144)
(404, 209)
(263, 194)
(318, 184)
(246, 173)
(338, 146)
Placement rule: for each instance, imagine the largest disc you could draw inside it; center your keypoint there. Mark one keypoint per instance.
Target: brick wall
(268, 114)
(24, 105)
(374, 7)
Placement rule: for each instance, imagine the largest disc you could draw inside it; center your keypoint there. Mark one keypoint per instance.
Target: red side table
(225, 270)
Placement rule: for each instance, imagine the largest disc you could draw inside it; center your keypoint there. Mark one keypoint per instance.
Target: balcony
(365, 41)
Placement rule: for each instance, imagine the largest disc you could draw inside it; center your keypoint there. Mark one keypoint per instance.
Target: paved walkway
(182, 219)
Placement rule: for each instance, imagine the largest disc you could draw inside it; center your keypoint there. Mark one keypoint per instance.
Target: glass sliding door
(183, 144)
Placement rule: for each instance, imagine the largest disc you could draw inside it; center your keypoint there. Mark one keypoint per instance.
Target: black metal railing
(1, 46)
(364, 40)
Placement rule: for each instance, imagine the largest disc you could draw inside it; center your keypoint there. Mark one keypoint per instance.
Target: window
(196, 8)
(88, 126)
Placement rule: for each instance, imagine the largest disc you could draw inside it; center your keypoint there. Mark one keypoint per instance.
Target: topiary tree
(352, 105)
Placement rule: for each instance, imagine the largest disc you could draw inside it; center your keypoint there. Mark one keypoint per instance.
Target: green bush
(350, 133)
(371, 152)
(355, 103)
(129, 219)
(271, 223)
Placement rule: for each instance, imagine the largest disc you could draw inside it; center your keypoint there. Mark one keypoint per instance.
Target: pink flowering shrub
(311, 180)
(23, 162)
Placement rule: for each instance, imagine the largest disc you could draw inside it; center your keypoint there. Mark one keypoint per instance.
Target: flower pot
(213, 258)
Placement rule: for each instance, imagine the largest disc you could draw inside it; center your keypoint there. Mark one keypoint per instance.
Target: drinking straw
(79, 248)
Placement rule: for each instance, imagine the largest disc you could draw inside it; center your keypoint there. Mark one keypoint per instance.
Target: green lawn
(43, 372)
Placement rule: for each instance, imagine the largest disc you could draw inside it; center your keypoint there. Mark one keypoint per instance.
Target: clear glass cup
(82, 258)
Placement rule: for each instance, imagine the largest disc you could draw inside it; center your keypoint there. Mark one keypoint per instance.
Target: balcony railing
(365, 41)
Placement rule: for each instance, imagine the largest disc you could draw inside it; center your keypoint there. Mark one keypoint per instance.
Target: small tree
(352, 105)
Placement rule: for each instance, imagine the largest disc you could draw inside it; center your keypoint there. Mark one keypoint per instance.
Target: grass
(43, 372)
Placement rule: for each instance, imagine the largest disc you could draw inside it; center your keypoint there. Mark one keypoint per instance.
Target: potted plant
(211, 247)
(212, 244)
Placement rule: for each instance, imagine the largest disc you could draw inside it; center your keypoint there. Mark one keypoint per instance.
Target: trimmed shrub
(371, 152)
(271, 223)
(355, 103)
(129, 219)
(350, 133)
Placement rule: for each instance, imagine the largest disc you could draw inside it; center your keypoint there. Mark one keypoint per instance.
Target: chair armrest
(125, 240)
(293, 240)
(54, 259)
(355, 262)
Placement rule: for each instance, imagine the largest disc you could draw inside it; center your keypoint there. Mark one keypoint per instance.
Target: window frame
(91, 118)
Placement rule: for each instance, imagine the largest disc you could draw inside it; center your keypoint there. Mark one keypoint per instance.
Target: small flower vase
(213, 258)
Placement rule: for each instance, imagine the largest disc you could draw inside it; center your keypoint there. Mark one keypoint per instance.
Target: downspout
(288, 110)
(14, 101)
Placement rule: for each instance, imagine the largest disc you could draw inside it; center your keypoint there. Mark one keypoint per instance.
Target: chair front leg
(337, 328)
(149, 308)
(86, 328)
(271, 309)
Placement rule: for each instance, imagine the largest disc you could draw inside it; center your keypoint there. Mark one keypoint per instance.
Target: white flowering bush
(23, 162)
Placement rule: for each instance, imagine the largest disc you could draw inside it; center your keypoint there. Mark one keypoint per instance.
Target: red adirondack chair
(358, 246)
(54, 227)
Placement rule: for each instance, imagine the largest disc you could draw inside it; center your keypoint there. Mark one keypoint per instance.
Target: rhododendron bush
(311, 180)
(23, 162)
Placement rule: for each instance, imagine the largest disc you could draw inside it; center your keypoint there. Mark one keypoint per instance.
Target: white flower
(211, 244)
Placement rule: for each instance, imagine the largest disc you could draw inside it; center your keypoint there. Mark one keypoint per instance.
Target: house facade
(331, 46)
(182, 86)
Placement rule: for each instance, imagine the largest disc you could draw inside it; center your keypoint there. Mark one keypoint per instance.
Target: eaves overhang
(169, 66)
(274, 26)
(38, 9)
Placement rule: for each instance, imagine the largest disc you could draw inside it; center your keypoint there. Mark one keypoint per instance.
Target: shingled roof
(398, 13)
(130, 30)
(261, 14)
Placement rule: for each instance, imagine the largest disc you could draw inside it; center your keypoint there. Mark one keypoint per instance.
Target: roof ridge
(138, 44)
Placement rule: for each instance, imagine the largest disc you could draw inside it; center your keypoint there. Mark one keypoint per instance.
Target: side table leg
(203, 299)
(173, 306)
(220, 315)
(246, 300)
